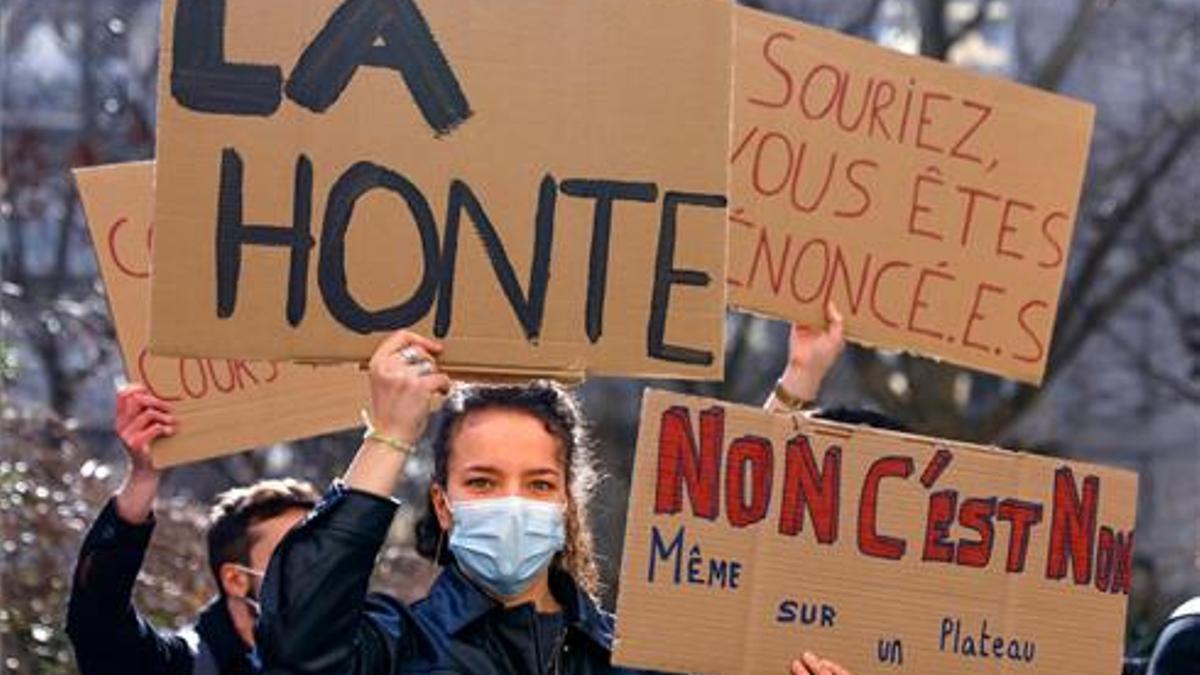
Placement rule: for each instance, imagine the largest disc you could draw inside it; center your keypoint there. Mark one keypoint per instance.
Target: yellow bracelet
(371, 434)
(789, 400)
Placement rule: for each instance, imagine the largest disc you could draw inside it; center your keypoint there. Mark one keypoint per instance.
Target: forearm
(314, 596)
(376, 469)
(104, 628)
(109, 560)
(798, 385)
(135, 498)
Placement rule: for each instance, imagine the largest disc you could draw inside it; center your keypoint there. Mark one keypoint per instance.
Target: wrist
(396, 437)
(135, 497)
(143, 475)
(799, 385)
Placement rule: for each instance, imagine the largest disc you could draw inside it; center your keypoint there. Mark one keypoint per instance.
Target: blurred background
(77, 83)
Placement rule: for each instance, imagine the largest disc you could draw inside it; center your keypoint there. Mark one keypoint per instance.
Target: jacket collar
(458, 602)
(215, 628)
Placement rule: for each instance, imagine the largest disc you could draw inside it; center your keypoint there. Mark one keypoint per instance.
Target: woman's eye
(479, 483)
(542, 486)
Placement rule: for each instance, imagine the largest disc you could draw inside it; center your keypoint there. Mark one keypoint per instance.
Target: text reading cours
(223, 405)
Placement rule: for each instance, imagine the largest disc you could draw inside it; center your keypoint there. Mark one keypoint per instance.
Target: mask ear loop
(437, 553)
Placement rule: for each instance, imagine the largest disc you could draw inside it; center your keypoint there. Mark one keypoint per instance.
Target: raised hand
(141, 418)
(811, 355)
(404, 380)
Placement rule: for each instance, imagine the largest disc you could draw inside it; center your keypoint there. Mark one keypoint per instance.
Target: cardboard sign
(223, 405)
(933, 205)
(753, 536)
(540, 183)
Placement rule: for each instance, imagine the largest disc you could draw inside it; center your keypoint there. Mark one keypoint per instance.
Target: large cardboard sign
(223, 405)
(752, 536)
(933, 205)
(540, 183)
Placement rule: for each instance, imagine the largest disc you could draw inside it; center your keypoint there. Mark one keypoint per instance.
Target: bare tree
(1134, 231)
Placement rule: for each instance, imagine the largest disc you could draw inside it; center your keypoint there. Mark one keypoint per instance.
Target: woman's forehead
(504, 439)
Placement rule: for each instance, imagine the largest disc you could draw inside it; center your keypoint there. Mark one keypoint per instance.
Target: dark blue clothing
(319, 619)
(111, 638)
(1177, 649)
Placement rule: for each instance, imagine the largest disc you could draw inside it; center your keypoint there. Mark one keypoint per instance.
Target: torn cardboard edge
(852, 335)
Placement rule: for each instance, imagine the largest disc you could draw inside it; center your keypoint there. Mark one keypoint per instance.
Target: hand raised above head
(812, 354)
(141, 418)
(405, 378)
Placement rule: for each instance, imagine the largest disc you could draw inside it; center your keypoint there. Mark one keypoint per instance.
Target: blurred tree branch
(864, 20)
(1052, 71)
(931, 395)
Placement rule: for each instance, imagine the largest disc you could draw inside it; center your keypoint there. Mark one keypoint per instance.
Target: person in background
(245, 525)
(506, 521)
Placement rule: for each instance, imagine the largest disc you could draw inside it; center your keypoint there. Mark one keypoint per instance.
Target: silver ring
(411, 355)
(424, 367)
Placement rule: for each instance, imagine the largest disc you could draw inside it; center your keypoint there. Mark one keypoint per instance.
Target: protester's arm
(106, 631)
(142, 417)
(811, 355)
(1177, 650)
(317, 616)
(404, 383)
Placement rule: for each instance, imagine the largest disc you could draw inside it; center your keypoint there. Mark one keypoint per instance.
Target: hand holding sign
(141, 418)
(405, 383)
(811, 355)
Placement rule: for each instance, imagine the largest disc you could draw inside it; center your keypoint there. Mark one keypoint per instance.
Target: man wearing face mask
(245, 525)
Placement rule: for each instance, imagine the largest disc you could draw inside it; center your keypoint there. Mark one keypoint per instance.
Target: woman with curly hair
(506, 521)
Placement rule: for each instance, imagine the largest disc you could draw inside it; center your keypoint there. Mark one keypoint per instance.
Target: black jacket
(318, 617)
(109, 636)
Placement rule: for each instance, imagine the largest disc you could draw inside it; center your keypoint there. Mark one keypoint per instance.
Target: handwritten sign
(541, 184)
(933, 205)
(223, 405)
(752, 536)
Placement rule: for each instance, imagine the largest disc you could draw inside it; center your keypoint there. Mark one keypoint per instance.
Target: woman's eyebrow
(481, 468)
(543, 471)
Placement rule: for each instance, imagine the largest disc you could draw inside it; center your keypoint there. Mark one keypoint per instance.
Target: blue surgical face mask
(503, 544)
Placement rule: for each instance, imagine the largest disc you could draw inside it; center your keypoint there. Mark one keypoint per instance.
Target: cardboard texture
(753, 536)
(933, 205)
(223, 405)
(331, 170)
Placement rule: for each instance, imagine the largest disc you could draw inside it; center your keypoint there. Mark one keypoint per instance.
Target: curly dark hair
(559, 412)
